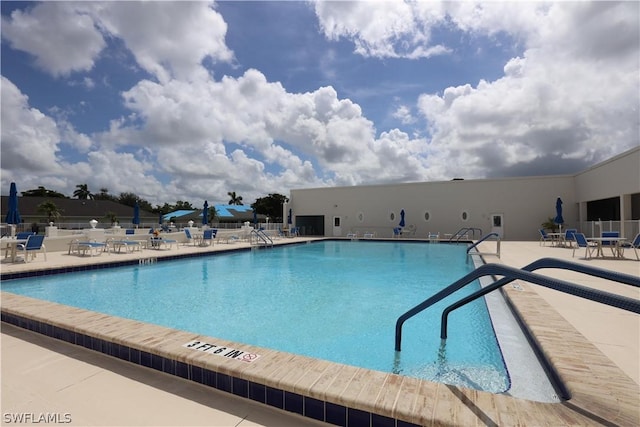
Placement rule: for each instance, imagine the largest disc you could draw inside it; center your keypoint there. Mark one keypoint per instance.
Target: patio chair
(568, 236)
(397, 232)
(24, 235)
(611, 244)
(190, 239)
(33, 245)
(410, 231)
(635, 245)
(209, 236)
(544, 237)
(582, 242)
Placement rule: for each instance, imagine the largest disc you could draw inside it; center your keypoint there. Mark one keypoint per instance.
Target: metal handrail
(587, 293)
(485, 238)
(462, 232)
(263, 236)
(513, 273)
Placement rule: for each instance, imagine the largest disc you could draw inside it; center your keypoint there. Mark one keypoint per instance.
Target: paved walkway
(46, 377)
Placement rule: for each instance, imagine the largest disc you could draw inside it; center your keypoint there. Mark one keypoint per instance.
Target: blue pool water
(333, 300)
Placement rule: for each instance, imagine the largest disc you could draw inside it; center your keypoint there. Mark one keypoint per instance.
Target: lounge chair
(433, 236)
(582, 242)
(635, 245)
(159, 243)
(130, 231)
(369, 235)
(33, 244)
(127, 245)
(544, 237)
(91, 247)
(352, 235)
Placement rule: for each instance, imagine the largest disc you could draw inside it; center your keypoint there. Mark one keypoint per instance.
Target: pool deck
(595, 350)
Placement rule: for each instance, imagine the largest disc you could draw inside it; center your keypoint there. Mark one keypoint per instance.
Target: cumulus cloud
(61, 40)
(383, 29)
(29, 137)
(567, 100)
(559, 101)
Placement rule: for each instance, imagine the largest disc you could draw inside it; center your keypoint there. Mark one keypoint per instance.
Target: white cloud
(384, 29)
(190, 32)
(561, 100)
(569, 100)
(66, 36)
(29, 138)
(61, 40)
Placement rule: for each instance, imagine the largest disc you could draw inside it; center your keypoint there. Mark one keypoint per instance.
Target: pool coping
(345, 395)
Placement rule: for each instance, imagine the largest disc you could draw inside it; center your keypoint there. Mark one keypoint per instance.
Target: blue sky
(191, 100)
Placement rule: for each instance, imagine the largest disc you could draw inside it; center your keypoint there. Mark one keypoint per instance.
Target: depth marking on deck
(218, 350)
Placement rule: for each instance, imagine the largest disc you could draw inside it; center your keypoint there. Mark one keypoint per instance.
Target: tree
(104, 195)
(43, 192)
(270, 206)
(83, 192)
(235, 199)
(180, 205)
(213, 215)
(128, 199)
(111, 216)
(50, 209)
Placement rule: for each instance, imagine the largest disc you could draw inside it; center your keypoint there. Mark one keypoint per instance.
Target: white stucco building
(603, 197)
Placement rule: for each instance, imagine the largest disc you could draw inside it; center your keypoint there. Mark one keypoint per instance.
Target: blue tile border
(291, 402)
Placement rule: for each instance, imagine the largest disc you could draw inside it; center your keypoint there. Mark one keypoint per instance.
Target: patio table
(616, 247)
(11, 247)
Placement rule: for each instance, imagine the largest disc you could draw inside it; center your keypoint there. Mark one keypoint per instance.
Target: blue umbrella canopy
(558, 219)
(13, 215)
(401, 218)
(205, 213)
(136, 214)
(289, 217)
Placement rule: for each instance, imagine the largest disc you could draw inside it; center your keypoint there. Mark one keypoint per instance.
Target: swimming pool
(332, 300)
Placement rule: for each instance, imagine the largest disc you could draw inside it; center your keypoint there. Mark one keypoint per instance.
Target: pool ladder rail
(497, 253)
(260, 238)
(526, 274)
(463, 233)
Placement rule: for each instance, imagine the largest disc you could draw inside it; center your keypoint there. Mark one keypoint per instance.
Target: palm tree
(83, 192)
(235, 199)
(50, 209)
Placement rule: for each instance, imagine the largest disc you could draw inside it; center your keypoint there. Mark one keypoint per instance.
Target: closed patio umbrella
(205, 213)
(558, 219)
(401, 218)
(136, 215)
(13, 215)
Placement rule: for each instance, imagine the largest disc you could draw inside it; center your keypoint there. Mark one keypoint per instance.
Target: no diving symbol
(249, 357)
